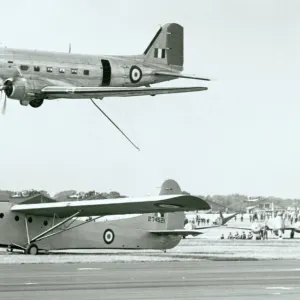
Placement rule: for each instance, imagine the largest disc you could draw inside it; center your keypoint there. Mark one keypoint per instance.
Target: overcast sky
(242, 135)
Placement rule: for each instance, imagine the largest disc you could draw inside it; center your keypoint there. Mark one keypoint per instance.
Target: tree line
(233, 201)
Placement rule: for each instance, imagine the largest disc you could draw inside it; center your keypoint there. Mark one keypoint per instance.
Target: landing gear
(36, 103)
(31, 249)
(292, 234)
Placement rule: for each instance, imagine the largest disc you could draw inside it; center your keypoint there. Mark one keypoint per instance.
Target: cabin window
(24, 67)
(29, 219)
(74, 71)
(61, 70)
(86, 72)
(17, 218)
(36, 68)
(49, 69)
(45, 223)
(1, 215)
(10, 62)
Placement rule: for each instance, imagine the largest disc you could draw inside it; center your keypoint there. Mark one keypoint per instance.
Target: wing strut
(115, 125)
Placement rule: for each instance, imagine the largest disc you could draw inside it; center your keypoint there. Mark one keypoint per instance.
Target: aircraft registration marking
(156, 219)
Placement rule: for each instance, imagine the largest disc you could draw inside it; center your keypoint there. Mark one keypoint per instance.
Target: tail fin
(223, 220)
(166, 48)
(173, 220)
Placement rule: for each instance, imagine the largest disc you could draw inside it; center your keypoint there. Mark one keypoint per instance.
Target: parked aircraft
(34, 76)
(51, 225)
(275, 225)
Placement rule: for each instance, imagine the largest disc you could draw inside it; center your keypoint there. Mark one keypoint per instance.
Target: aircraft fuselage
(127, 233)
(42, 68)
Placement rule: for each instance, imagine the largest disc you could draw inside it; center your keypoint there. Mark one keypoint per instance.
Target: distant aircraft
(219, 221)
(275, 225)
(32, 227)
(34, 76)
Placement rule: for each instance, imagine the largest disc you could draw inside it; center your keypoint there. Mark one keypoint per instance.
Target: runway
(152, 280)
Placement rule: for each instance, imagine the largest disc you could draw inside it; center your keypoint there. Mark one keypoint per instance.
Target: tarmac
(152, 280)
(203, 267)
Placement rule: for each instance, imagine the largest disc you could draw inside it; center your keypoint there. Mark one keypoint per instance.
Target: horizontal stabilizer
(53, 92)
(176, 232)
(118, 206)
(177, 75)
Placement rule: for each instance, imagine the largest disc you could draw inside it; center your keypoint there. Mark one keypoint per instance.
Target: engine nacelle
(297, 227)
(20, 89)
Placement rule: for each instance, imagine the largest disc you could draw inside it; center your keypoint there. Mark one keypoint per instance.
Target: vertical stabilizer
(167, 46)
(173, 220)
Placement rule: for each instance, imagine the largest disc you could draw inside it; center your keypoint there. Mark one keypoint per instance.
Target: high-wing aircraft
(34, 76)
(275, 225)
(34, 224)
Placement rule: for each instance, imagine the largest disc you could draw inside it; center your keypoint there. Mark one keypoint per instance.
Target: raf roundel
(108, 236)
(135, 74)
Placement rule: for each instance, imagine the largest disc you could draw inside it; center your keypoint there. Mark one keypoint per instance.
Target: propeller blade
(4, 105)
(115, 125)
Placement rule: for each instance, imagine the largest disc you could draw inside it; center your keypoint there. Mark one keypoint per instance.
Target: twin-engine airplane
(34, 76)
(40, 223)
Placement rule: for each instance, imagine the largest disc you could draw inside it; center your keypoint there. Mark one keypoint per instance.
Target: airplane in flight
(32, 76)
(41, 224)
(275, 225)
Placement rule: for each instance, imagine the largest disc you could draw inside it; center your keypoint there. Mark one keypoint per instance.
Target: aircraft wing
(176, 232)
(241, 228)
(119, 206)
(207, 227)
(102, 92)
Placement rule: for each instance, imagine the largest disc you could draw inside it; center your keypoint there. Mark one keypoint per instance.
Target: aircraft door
(106, 75)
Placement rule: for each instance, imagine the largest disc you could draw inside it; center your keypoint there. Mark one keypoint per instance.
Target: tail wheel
(32, 249)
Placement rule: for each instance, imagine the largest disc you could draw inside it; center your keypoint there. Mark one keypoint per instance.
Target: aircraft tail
(223, 220)
(173, 220)
(166, 48)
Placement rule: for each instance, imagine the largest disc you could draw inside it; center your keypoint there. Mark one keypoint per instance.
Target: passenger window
(49, 69)
(86, 72)
(74, 71)
(61, 70)
(24, 68)
(36, 68)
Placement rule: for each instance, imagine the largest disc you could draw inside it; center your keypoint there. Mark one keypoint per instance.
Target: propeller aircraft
(42, 224)
(32, 76)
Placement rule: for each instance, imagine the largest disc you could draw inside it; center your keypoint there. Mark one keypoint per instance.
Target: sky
(242, 135)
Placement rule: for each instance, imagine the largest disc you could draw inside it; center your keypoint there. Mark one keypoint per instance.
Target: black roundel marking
(135, 74)
(108, 236)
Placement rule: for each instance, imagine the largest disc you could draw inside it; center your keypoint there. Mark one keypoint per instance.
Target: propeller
(17, 74)
(4, 103)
